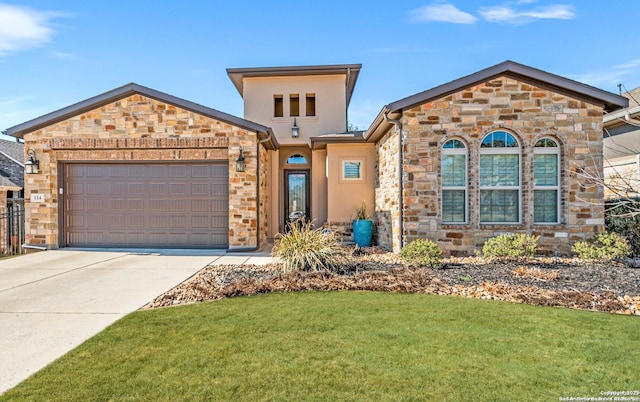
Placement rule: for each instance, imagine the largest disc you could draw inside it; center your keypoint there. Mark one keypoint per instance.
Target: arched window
(297, 159)
(546, 181)
(500, 178)
(454, 182)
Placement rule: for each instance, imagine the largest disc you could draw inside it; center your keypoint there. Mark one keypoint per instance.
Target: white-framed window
(454, 182)
(500, 182)
(546, 181)
(352, 170)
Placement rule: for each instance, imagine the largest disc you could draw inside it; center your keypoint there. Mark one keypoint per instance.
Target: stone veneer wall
(138, 128)
(387, 212)
(527, 111)
(264, 195)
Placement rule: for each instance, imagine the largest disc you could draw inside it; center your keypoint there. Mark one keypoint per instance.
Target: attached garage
(139, 168)
(176, 205)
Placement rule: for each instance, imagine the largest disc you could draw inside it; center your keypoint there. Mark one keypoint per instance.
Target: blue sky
(56, 53)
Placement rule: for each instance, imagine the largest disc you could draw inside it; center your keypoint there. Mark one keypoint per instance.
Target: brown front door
(296, 196)
(164, 205)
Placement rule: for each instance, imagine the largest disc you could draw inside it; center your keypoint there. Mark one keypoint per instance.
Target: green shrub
(603, 246)
(517, 245)
(621, 217)
(422, 252)
(306, 249)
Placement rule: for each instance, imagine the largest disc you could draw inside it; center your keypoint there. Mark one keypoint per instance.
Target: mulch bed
(611, 287)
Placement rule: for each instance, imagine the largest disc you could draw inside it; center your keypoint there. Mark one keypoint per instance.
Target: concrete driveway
(52, 301)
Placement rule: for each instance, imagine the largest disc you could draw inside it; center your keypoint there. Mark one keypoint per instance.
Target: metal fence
(12, 228)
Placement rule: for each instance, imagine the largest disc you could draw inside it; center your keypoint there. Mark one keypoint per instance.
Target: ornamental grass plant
(304, 248)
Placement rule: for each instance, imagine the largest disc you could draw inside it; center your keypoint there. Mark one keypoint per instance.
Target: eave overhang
(351, 71)
(127, 90)
(607, 100)
(320, 142)
(618, 117)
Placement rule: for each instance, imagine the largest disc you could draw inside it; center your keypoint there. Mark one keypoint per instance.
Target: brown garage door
(146, 205)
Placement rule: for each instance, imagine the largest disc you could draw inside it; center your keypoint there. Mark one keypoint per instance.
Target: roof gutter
(398, 124)
(622, 116)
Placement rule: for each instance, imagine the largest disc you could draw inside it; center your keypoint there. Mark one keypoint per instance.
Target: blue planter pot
(362, 232)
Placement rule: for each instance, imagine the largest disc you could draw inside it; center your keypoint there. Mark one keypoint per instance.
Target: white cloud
(513, 16)
(64, 55)
(629, 65)
(611, 77)
(441, 13)
(23, 28)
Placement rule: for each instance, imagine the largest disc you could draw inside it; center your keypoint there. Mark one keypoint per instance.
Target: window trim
(361, 170)
(501, 151)
(456, 151)
(548, 151)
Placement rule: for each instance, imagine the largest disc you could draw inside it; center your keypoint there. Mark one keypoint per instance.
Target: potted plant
(362, 227)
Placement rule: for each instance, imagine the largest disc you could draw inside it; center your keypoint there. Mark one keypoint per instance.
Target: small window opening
(294, 105)
(297, 159)
(278, 106)
(310, 100)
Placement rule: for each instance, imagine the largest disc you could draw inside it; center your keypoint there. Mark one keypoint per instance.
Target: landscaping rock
(572, 283)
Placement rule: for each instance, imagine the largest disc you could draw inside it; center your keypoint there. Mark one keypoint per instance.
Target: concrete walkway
(52, 301)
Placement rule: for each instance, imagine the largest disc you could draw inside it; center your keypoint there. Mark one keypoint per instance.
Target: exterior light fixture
(295, 130)
(240, 162)
(32, 165)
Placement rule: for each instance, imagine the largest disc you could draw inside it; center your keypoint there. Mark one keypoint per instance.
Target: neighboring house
(501, 150)
(622, 149)
(11, 171)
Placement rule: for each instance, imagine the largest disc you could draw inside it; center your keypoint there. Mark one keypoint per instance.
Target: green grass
(348, 346)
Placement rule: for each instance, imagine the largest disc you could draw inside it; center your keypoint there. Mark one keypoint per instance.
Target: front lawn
(348, 346)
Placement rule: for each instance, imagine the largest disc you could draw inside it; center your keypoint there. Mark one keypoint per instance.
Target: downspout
(346, 100)
(398, 124)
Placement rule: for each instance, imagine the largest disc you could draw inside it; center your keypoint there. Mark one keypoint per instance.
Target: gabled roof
(351, 71)
(12, 150)
(7, 184)
(543, 79)
(128, 90)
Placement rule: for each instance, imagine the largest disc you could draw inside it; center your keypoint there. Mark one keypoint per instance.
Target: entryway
(297, 195)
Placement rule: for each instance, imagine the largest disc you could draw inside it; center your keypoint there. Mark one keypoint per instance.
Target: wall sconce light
(32, 165)
(295, 130)
(240, 162)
